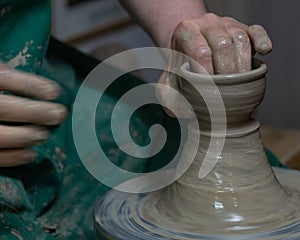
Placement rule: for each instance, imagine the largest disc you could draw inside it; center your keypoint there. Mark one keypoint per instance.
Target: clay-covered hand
(25, 114)
(220, 44)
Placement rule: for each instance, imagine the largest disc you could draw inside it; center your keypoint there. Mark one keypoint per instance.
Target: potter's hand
(25, 114)
(220, 44)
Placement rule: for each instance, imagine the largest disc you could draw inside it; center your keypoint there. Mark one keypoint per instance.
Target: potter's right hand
(220, 44)
(25, 114)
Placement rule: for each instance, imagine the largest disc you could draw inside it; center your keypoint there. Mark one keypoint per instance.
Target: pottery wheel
(118, 216)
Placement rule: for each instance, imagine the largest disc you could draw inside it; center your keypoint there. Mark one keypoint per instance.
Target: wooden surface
(284, 143)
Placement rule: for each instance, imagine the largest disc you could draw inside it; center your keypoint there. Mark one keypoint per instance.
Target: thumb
(168, 94)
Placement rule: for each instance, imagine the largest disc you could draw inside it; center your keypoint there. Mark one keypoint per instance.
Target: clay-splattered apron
(53, 198)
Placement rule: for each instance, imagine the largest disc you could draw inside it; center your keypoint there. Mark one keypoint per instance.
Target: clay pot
(240, 198)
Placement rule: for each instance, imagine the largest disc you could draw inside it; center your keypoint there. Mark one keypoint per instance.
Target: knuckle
(204, 52)
(239, 35)
(228, 19)
(182, 32)
(256, 27)
(186, 22)
(183, 25)
(211, 16)
(222, 42)
(242, 37)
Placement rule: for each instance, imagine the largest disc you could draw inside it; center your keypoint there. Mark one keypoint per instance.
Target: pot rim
(257, 73)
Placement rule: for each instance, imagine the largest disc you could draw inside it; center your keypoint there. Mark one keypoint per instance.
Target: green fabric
(53, 197)
(274, 160)
(24, 31)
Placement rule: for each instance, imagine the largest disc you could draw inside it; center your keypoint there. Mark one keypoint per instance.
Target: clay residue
(21, 58)
(5, 10)
(187, 35)
(16, 234)
(60, 153)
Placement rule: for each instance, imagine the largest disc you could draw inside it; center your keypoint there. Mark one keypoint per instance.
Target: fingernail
(40, 135)
(31, 156)
(265, 47)
(59, 115)
(50, 92)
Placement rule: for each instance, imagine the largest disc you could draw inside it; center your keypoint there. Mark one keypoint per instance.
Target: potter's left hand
(27, 114)
(220, 44)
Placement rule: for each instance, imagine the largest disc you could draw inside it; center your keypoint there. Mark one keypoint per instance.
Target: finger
(222, 47)
(23, 110)
(242, 47)
(168, 79)
(190, 40)
(15, 157)
(260, 39)
(26, 84)
(232, 21)
(22, 136)
(171, 99)
(162, 93)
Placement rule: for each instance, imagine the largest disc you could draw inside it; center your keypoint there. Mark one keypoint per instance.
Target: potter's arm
(160, 18)
(219, 44)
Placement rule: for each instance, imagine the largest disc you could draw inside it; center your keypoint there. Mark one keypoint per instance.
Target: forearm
(160, 17)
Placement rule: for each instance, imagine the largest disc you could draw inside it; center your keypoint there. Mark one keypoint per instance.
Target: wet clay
(241, 196)
(241, 193)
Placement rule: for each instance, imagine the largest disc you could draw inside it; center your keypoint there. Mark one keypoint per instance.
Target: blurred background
(102, 28)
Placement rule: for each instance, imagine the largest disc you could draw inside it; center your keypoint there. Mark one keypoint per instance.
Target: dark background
(76, 2)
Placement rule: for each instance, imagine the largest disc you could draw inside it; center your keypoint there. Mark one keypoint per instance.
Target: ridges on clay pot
(241, 193)
(240, 196)
(241, 92)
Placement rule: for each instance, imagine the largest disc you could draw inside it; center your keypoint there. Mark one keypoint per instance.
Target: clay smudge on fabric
(5, 11)
(16, 234)
(60, 153)
(21, 58)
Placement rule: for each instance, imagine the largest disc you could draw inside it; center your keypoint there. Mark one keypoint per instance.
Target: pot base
(118, 216)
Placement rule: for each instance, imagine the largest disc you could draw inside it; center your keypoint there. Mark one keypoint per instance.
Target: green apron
(53, 197)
